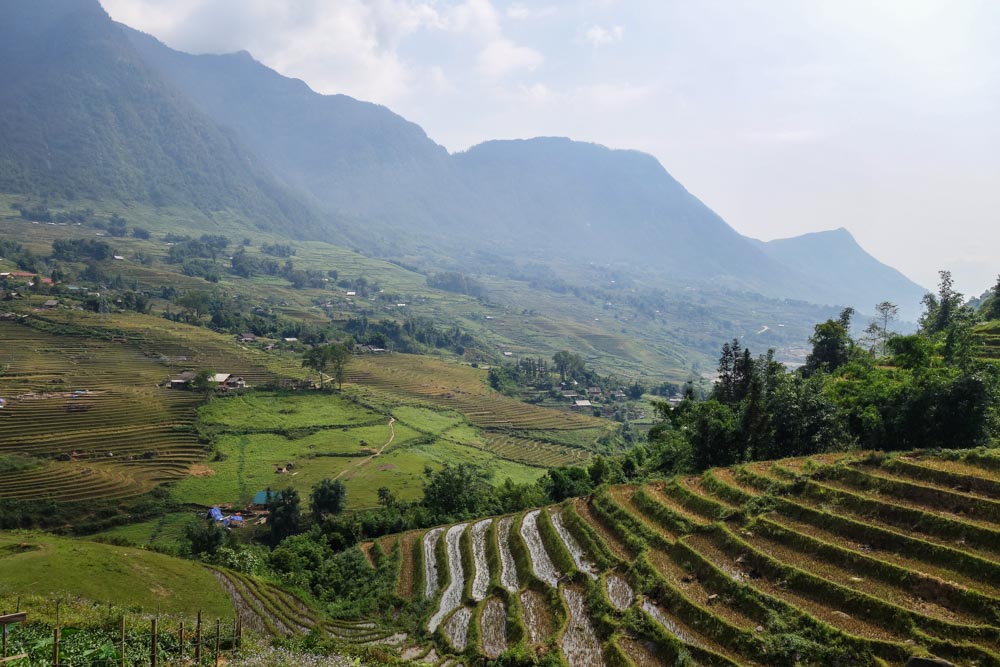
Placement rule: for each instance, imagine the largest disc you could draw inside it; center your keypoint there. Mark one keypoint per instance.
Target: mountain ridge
(226, 131)
(477, 200)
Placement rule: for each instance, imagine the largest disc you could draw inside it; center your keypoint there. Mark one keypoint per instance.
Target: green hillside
(46, 566)
(85, 118)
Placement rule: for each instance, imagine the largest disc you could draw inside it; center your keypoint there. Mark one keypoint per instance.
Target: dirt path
(365, 461)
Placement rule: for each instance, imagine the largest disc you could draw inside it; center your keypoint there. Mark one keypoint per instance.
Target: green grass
(45, 565)
(166, 531)
(277, 411)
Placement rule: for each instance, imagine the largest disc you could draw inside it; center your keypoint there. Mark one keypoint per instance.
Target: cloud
(502, 57)
(598, 35)
(522, 12)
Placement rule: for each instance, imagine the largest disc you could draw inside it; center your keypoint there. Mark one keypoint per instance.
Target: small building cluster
(220, 381)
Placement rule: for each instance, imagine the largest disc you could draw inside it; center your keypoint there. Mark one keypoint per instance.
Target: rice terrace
(288, 379)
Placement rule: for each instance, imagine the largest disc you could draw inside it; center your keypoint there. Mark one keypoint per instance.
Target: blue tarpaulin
(215, 513)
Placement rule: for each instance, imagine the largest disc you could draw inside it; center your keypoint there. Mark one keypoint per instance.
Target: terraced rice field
(269, 610)
(462, 389)
(84, 397)
(719, 571)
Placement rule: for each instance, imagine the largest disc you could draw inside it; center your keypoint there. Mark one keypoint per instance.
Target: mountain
(377, 170)
(851, 275)
(403, 195)
(84, 117)
(95, 110)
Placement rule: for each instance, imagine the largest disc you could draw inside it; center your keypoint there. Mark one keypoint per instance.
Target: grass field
(328, 436)
(833, 559)
(45, 565)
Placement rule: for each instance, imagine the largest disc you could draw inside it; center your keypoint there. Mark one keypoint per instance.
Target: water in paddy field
(430, 562)
(493, 628)
(574, 548)
(456, 628)
(668, 623)
(508, 571)
(619, 592)
(452, 595)
(541, 564)
(579, 641)
(481, 581)
(536, 616)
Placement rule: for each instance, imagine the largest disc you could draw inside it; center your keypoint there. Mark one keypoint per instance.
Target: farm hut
(580, 405)
(570, 394)
(248, 338)
(51, 303)
(182, 381)
(260, 500)
(593, 391)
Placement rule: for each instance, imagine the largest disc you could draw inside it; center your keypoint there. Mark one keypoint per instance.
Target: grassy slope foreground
(832, 559)
(48, 566)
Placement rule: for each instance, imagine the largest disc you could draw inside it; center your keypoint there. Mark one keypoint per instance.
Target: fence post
(123, 640)
(180, 644)
(218, 633)
(197, 643)
(152, 642)
(3, 652)
(55, 640)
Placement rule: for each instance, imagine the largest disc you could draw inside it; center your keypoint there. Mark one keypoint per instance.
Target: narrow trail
(368, 459)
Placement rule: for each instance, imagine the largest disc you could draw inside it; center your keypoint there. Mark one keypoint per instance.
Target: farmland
(87, 417)
(834, 559)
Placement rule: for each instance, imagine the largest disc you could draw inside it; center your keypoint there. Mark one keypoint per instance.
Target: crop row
(751, 565)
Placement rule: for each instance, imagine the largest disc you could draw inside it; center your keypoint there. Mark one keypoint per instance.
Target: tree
(205, 536)
(328, 497)
(831, 343)
(334, 356)
(117, 226)
(316, 359)
(992, 310)
(458, 491)
(285, 514)
(736, 367)
(386, 498)
(567, 364)
(877, 332)
(940, 310)
(203, 381)
(338, 357)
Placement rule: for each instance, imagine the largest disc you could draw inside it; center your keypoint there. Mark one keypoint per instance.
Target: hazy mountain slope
(536, 197)
(359, 159)
(586, 201)
(848, 273)
(95, 110)
(85, 118)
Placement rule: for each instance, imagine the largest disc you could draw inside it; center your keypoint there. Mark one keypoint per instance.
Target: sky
(784, 116)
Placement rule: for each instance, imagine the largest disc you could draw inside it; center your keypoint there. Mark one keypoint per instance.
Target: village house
(247, 338)
(228, 381)
(183, 380)
(51, 303)
(580, 405)
(570, 394)
(593, 391)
